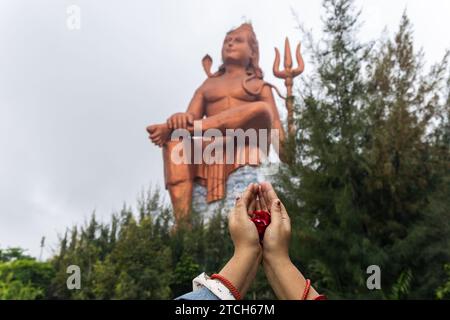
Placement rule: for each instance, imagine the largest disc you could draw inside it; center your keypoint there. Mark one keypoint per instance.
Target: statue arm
(195, 111)
(197, 105)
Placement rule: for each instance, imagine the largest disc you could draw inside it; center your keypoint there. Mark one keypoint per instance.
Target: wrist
(274, 257)
(252, 251)
(239, 269)
(247, 257)
(276, 264)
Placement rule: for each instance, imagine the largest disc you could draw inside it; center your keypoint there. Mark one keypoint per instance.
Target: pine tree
(366, 165)
(405, 169)
(322, 189)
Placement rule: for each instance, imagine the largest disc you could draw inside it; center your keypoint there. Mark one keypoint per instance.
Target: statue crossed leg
(180, 178)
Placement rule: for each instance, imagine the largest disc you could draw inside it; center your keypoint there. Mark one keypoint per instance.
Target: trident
(288, 74)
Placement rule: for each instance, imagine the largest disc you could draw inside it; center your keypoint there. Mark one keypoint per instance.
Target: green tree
(22, 277)
(367, 166)
(123, 259)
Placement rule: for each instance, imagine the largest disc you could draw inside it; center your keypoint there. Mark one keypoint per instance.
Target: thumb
(244, 201)
(275, 210)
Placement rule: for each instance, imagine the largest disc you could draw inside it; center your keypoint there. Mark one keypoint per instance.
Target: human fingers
(258, 203)
(246, 198)
(275, 210)
(262, 200)
(251, 207)
(250, 193)
(271, 195)
(264, 192)
(284, 213)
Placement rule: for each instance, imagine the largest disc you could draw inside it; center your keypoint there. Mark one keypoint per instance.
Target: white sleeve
(214, 285)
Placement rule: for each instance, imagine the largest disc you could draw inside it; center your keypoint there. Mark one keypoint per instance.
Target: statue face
(236, 48)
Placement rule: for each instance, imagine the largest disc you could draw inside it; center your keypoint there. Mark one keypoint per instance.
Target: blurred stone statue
(234, 97)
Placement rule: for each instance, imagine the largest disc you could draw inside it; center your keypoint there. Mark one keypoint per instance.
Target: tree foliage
(371, 182)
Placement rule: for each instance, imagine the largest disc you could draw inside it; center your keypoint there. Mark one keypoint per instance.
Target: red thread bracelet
(306, 292)
(227, 284)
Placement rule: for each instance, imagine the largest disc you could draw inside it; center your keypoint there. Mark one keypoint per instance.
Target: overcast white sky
(74, 104)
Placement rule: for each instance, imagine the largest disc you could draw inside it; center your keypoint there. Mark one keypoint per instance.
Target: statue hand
(158, 134)
(180, 121)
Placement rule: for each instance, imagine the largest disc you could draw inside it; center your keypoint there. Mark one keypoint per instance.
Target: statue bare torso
(223, 93)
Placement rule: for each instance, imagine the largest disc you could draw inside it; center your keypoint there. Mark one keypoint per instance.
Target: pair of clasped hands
(272, 251)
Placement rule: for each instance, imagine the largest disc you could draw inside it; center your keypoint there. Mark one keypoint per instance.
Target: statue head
(241, 46)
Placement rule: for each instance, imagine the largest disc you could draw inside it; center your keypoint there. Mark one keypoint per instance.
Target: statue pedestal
(236, 184)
